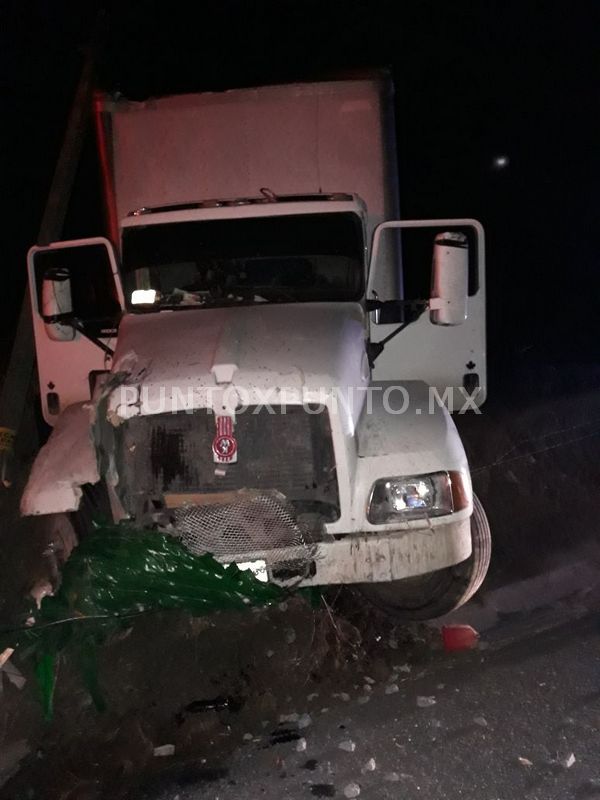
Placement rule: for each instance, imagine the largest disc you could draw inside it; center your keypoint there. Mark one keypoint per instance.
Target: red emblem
(224, 444)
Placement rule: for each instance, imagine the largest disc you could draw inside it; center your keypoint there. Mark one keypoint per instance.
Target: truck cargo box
(336, 136)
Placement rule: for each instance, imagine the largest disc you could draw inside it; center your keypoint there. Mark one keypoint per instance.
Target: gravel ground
(518, 721)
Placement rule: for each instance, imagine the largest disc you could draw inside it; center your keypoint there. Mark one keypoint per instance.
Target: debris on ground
(370, 766)
(525, 761)
(322, 790)
(426, 701)
(39, 591)
(293, 717)
(284, 735)
(392, 688)
(351, 790)
(348, 745)
(459, 637)
(218, 703)
(164, 750)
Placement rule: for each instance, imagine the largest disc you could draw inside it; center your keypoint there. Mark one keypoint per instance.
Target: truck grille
(287, 450)
(255, 525)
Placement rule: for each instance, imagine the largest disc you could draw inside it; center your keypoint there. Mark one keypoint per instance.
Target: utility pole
(20, 371)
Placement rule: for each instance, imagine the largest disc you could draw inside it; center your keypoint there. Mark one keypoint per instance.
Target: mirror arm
(78, 325)
(69, 319)
(375, 349)
(412, 305)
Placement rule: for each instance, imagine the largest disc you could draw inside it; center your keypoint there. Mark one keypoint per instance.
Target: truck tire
(437, 593)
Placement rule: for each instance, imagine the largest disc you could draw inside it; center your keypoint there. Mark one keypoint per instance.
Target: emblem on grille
(224, 444)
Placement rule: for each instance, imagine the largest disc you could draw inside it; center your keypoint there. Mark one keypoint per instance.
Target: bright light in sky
(143, 297)
(501, 162)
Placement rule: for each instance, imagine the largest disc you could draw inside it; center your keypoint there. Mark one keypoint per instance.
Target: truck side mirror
(57, 304)
(449, 279)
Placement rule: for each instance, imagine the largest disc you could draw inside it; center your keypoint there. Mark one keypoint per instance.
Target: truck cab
(245, 373)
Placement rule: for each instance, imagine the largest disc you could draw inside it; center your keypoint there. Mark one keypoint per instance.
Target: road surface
(520, 719)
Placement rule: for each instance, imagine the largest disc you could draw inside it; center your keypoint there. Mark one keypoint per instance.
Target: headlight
(416, 497)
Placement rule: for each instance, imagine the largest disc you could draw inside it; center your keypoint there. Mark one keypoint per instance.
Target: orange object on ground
(459, 637)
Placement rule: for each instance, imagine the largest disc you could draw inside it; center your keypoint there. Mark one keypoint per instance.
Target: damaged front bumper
(364, 558)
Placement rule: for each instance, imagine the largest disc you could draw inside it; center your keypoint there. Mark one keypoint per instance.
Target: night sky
(474, 81)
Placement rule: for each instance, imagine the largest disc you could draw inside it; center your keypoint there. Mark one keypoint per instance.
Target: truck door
(76, 304)
(451, 358)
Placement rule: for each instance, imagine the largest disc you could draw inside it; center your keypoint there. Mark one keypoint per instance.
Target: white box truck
(236, 363)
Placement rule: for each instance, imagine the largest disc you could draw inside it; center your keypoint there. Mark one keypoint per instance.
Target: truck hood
(186, 359)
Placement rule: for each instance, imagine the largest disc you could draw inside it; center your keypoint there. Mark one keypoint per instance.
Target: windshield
(279, 259)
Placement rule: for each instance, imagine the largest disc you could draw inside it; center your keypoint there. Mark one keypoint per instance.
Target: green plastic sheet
(115, 574)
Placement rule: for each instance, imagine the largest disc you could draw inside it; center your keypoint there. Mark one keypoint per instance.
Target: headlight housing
(416, 497)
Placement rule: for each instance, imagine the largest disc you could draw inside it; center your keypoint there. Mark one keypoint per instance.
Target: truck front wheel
(437, 593)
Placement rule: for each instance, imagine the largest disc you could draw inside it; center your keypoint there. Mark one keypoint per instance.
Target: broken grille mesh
(246, 528)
